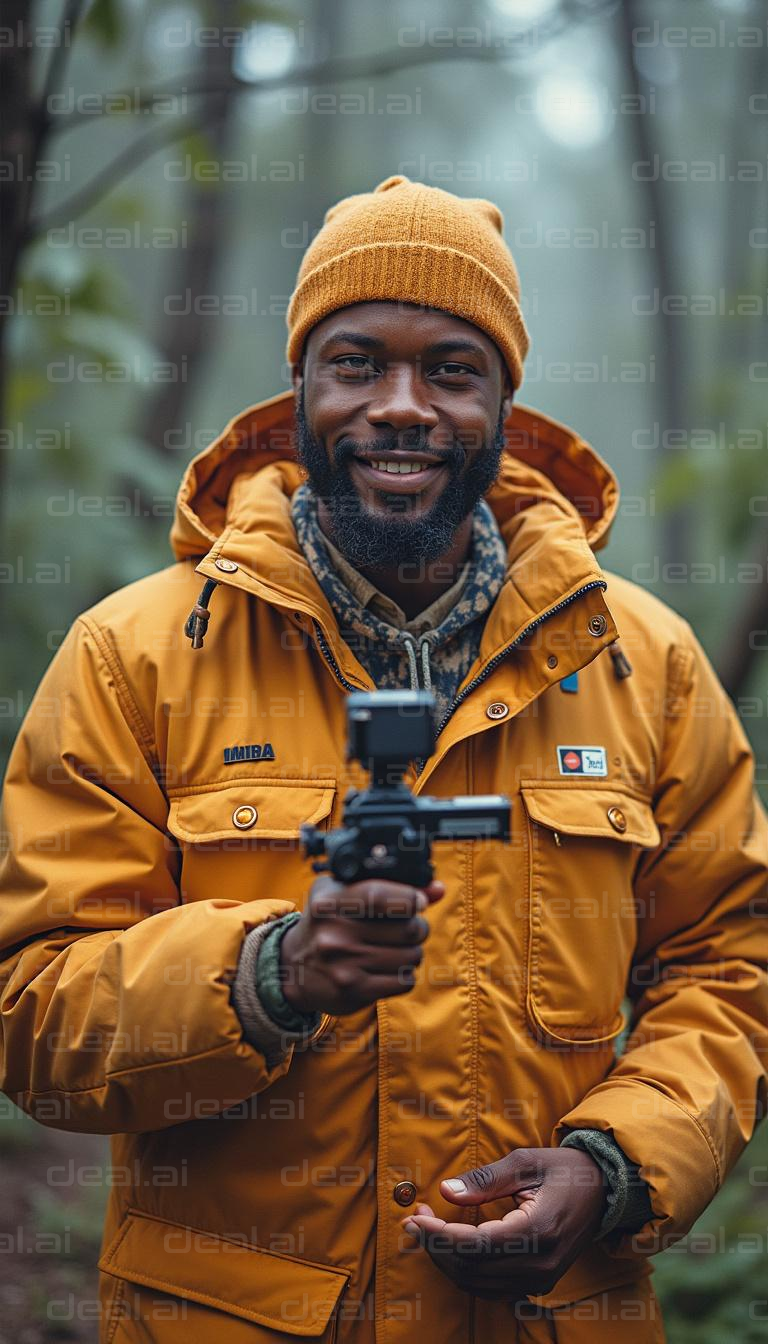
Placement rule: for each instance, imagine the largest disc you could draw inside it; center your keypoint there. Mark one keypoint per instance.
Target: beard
(387, 540)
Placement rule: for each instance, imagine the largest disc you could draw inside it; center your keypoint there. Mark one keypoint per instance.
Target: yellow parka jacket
(254, 1200)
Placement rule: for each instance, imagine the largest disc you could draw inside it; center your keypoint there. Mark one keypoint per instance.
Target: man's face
(385, 385)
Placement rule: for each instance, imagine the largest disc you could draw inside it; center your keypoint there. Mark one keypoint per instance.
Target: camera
(387, 831)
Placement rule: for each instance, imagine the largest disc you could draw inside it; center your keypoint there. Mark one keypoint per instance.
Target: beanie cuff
(411, 272)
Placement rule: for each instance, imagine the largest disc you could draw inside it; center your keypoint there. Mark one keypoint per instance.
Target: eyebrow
(451, 344)
(352, 338)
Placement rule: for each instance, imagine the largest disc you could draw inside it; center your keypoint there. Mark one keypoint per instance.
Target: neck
(414, 591)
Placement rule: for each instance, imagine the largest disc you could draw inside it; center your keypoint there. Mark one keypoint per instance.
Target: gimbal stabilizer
(386, 830)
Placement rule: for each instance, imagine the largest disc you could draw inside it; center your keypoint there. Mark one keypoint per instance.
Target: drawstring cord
(413, 667)
(196, 623)
(621, 665)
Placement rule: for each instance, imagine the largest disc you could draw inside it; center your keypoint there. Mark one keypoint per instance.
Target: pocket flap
(606, 811)
(250, 810)
(278, 1291)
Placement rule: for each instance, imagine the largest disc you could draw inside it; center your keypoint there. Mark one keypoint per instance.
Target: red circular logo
(572, 760)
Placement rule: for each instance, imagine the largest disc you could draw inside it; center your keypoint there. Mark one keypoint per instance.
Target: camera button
(497, 710)
(404, 1193)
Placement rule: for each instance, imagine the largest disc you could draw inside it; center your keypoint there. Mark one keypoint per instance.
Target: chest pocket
(250, 810)
(241, 838)
(584, 843)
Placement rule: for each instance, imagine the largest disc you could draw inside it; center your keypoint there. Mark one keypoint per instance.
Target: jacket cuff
(268, 1021)
(628, 1200)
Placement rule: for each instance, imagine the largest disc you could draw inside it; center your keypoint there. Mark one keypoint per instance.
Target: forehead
(403, 330)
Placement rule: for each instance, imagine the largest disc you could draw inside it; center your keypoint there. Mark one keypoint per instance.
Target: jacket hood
(546, 469)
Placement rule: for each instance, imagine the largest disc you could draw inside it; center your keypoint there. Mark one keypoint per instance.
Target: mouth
(399, 473)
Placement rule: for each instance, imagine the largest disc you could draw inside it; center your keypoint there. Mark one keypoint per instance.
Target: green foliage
(712, 1284)
(106, 22)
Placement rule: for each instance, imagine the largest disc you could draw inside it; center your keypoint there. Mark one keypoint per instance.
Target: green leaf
(25, 388)
(104, 21)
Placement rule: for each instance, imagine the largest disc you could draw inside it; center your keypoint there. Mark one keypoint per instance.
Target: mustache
(348, 448)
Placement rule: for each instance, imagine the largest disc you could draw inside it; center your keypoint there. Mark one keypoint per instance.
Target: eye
(355, 366)
(453, 370)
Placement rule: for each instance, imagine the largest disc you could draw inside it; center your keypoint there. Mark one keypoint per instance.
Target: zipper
(597, 583)
(329, 656)
(492, 665)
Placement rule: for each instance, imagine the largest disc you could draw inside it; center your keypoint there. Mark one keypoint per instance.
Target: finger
(390, 960)
(450, 1233)
(374, 899)
(511, 1234)
(393, 933)
(387, 986)
(510, 1174)
(435, 891)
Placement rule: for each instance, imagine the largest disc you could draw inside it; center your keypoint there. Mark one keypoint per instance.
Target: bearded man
(372, 1114)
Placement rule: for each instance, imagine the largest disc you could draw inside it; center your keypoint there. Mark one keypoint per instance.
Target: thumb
(482, 1184)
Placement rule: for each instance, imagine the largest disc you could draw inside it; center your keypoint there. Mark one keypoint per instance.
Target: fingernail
(411, 1228)
(457, 1186)
(422, 901)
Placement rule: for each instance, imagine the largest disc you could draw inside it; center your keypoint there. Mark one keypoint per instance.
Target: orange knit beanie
(416, 244)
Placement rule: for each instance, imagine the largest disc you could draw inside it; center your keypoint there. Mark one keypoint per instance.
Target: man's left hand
(559, 1196)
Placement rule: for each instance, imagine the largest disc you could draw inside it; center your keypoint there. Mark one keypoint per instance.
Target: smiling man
(375, 1114)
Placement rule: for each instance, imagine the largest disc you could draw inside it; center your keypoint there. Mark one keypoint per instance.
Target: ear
(297, 377)
(508, 396)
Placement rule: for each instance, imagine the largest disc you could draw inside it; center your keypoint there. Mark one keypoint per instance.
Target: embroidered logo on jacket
(254, 751)
(582, 760)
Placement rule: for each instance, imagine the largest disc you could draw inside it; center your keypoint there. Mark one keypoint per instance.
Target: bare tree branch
(338, 70)
(115, 171)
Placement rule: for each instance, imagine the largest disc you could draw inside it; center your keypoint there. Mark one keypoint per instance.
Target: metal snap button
(498, 710)
(617, 819)
(244, 817)
(597, 625)
(552, 660)
(228, 566)
(404, 1193)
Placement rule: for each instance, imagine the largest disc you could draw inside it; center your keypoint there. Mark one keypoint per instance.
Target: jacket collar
(554, 500)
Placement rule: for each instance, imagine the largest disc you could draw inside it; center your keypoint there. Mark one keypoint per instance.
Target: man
(373, 1113)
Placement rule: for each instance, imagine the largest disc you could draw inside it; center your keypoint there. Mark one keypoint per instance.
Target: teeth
(399, 468)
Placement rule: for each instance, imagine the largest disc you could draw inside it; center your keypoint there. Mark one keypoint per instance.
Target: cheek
(475, 433)
(329, 412)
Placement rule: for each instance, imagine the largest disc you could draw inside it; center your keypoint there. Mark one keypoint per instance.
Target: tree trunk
(18, 144)
(189, 336)
(670, 366)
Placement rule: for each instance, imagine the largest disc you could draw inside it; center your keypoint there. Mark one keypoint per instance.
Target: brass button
(597, 625)
(244, 817)
(228, 566)
(404, 1193)
(552, 660)
(617, 819)
(498, 710)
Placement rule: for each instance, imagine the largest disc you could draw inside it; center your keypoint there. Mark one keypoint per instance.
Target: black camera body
(388, 831)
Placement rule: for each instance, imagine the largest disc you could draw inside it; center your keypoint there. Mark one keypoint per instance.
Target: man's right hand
(355, 944)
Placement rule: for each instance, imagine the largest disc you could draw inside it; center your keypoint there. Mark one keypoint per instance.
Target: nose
(400, 401)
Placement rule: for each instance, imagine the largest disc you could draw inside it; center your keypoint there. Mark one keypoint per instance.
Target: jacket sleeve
(115, 996)
(688, 1091)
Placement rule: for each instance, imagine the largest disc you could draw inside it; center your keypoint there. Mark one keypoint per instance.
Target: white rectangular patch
(582, 760)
